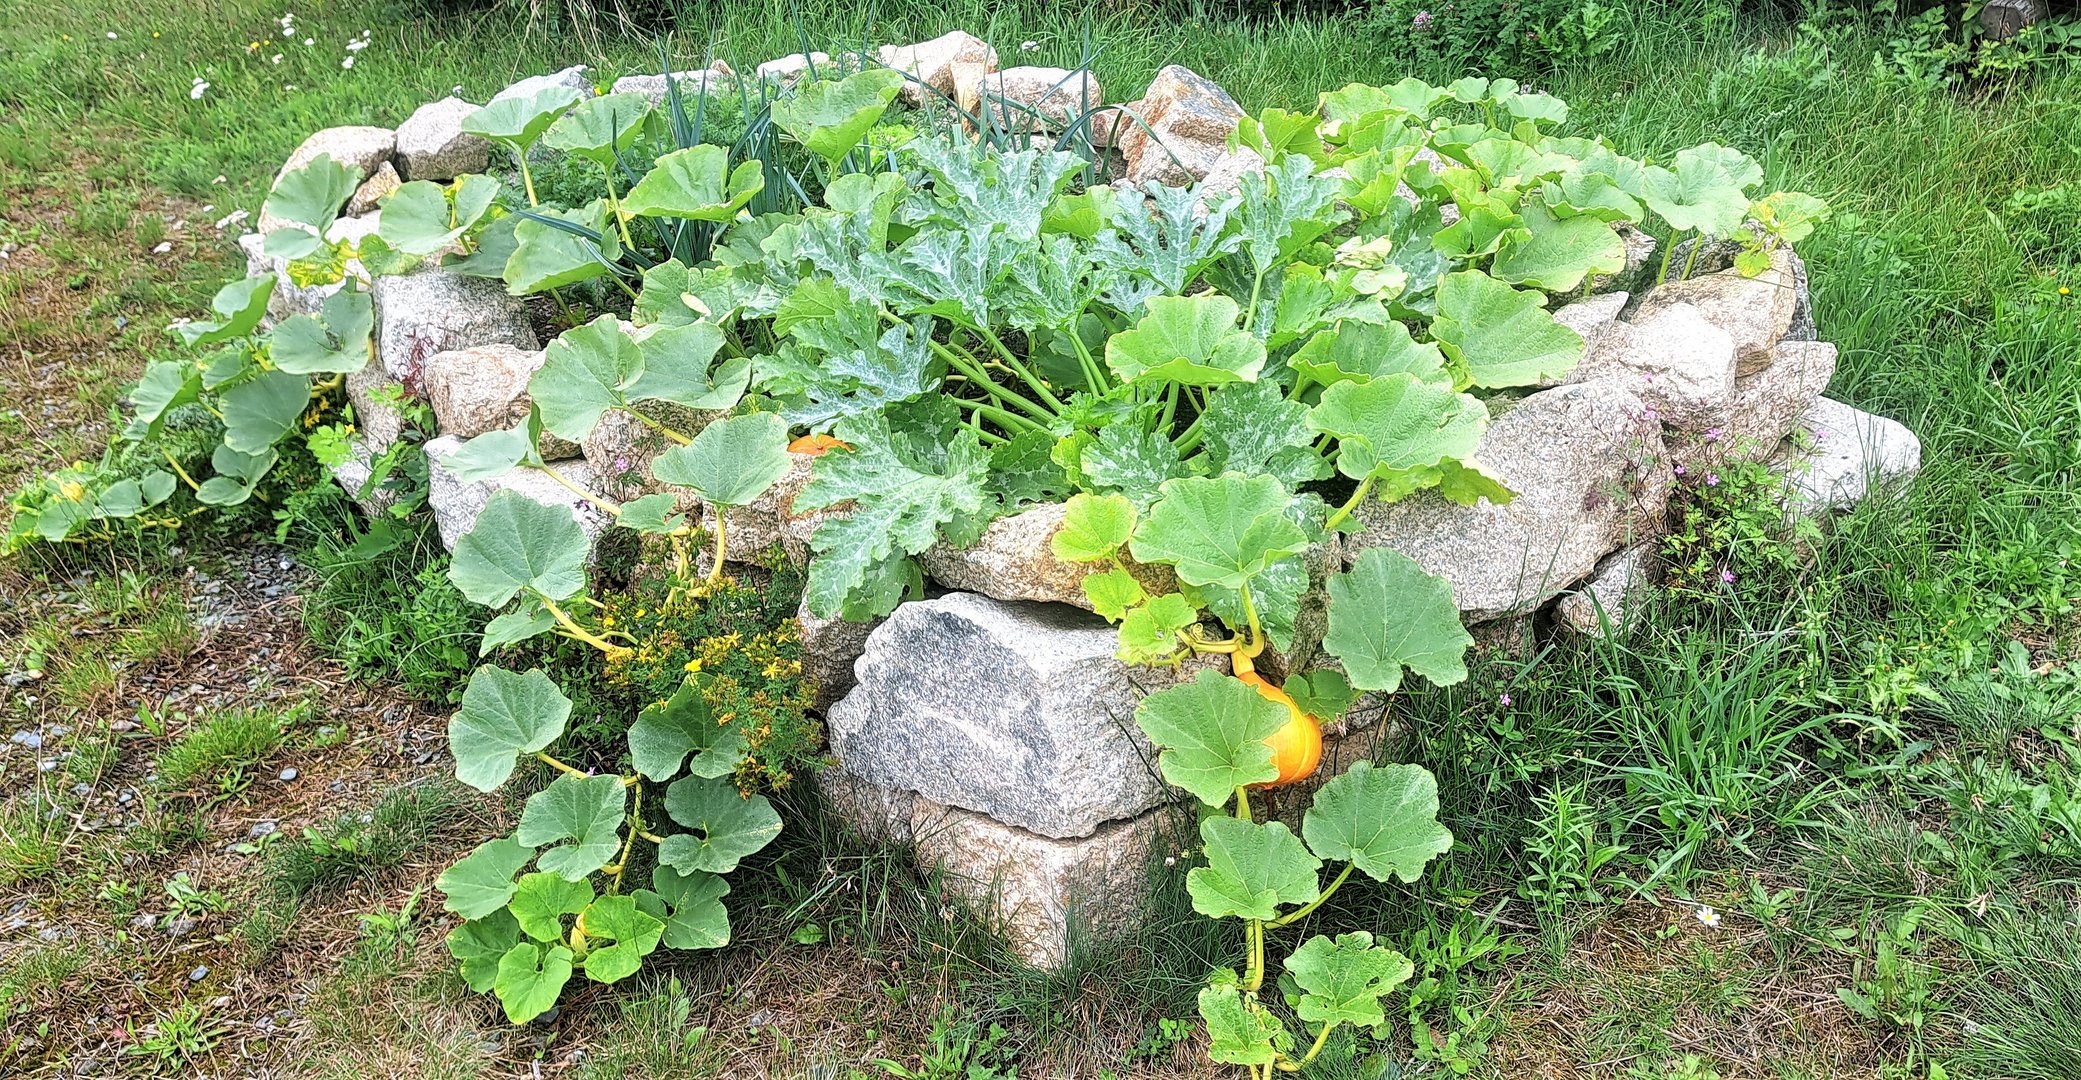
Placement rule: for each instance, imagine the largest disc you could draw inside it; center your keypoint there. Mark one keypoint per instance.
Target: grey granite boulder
(793, 66)
(1014, 560)
(830, 647)
(573, 77)
(1615, 596)
(431, 144)
(361, 149)
(1018, 711)
(433, 311)
(621, 447)
(484, 388)
(1590, 475)
(1755, 311)
(1841, 455)
(353, 476)
(1767, 404)
(1592, 320)
(1679, 362)
(716, 77)
(933, 63)
(1803, 327)
(1058, 95)
(1046, 895)
(456, 502)
(374, 190)
(1190, 118)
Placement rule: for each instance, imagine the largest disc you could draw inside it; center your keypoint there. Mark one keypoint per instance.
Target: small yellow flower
(2064, 291)
(640, 612)
(252, 46)
(693, 665)
(606, 620)
(64, 37)
(155, 34)
(72, 490)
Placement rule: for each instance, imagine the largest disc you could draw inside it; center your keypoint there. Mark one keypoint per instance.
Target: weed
(222, 745)
(29, 839)
(181, 1034)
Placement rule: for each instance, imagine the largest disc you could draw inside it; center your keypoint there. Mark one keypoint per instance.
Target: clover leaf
(1342, 981)
(503, 715)
(1252, 869)
(1381, 818)
(696, 183)
(1188, 340)
(731, 462)
(1210, 735)
(1386, 613)
(728, 825)
(519, 544)
(1219, 531)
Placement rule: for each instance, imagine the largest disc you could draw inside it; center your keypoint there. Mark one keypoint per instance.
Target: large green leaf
(695, 183)
(546, 256)
(1252, 869)
(541, 901)
(676, 368)
(634, 934)
(1499, 336)
(1403, 423)
(830, 118)
(530, 977)
(1705, 189)
(667, 731)
(312, 195)
(1356, 351)
(480, 943)
(239, 305)
(1093, 527)
(731, 462)
(586, 810)
(727, 825)
(259, 411)
(1561, 251)
(1342, 981)
(1189, 340)
(336, 340)
(490, 455)
(1387, 613)
(517, 543)
(1255, 428)
(696, 918)
(237, 474)
(1238, 1033)
(1219, 531)
(519, 122)
(503, 715)
(1210, 734)
(1382, 819)
(586, 371)
(902, 492)
(422, 217)
(482, 881)
(600, 129)
(167, 385)
(1149, 633)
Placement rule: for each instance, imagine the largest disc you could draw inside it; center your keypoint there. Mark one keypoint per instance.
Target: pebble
(288, 775)
(30, 739)
(201, 972)
(144, 921)
(179, 928)
(261, 829)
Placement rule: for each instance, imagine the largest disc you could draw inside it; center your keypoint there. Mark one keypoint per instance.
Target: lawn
(1823, 820)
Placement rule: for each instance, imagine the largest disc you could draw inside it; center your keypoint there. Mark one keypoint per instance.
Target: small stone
(200, 973)
(286, 775)
(431, 144)
(143, 921)
(482, 388)
(374, 190)
(262, 828)
(25, 738)
(789, 68)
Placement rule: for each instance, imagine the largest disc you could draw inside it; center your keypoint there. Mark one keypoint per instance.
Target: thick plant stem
(600, 501)
(1320, 1039)
(180, 472)
(1250, 313)
(1301, 913)
(614, 207)
(722, 544)
(1662, 275)
(527, 179)
(1019, 368)
(572, 629)
(659, 428)
(1365, 487)
(629, 846)
(567, 770)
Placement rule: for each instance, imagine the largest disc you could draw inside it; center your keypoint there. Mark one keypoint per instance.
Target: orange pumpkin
(1297, 747)
(816, 445)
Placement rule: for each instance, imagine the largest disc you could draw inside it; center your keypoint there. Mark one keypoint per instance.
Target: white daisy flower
(1707, 917)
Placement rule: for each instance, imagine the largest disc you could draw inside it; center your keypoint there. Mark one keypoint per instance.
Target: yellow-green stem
(1365, 487)
(660, 428)
(1298, 914)
(635, 824)
(567, 770)
(527, 179)
(600, 501)
(180, 472)
(572, 629)
(722, 544)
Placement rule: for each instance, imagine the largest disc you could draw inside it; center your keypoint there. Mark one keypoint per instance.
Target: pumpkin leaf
(259, 411)
(676, 368)
(696, 183)
(334, 341)
(727, 825)
(697, 918)
(480, 943)
(1382, 819)
(1403, 423)
(1238, 1034)
(667, 731)
(731, 462)
(1355, 351)
(1188, 340)
(1252, 868)
(1386, 614)
(586, 371)
(829, 117)
(530, 978)
(541, 901)
(1149, 633)
(1498, 336)
(422, 217)
(313, 194)
(1343, 980)
(1210, 734)
(1219, 531)
(482, 881)
(1559, 252)
(586, 810)
(634, 934)
(519, 544)
(1093, 527)
(519, 122)
(599, 129)
(503, 715)
(548, 257)
(239, 305)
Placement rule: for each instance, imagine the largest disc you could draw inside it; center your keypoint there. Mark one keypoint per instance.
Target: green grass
(1878, 720)
(221, 746)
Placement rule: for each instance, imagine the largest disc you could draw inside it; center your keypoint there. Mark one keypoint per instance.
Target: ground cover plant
(1896, 621)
